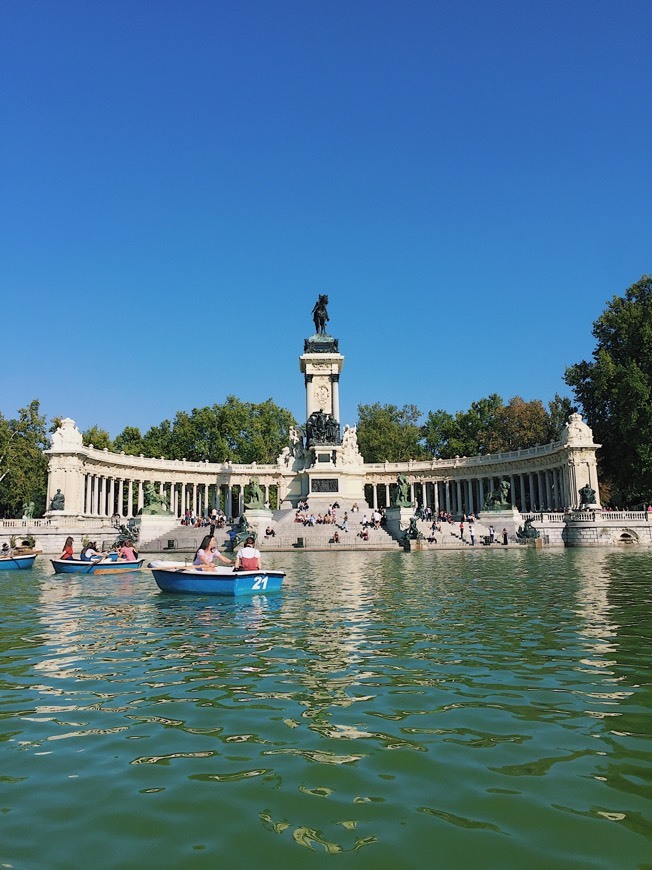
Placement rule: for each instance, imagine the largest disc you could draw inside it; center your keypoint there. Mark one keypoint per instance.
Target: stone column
(546, 474)
(458, 495)
(521, 480)
(96, 506)
(435, 497)
(481, 492)
(512, 489)
(111, 510)
(531, 482)
(141, 496)
(447, 493)
(195, 506)
(424, 495)
(386, 495)
(336, 397)
(130, 499)
(121, 497)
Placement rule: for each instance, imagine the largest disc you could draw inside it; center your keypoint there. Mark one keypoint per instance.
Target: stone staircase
(289, 535)
(450, 533)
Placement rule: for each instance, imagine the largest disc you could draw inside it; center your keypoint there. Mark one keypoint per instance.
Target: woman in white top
(248, 557)
(206, 553)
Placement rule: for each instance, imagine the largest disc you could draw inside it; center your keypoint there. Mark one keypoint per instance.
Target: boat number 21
(260, 583)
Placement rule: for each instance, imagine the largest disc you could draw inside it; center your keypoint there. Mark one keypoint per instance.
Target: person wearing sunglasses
(207, 553)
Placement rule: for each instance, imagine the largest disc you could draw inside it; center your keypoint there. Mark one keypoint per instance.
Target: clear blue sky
(470, 182)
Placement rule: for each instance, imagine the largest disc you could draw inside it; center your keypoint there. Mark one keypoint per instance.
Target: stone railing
(463, 462)
(588, 516)
(53, 523)
(24, 524)
(545, 517)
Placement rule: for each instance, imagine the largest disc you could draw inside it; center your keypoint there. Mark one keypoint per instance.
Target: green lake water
(487, 708)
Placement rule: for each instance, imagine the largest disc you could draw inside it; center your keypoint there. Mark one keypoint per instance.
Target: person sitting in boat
(90, 553)
(67, 549)
(5, 549)
(206, 553)
(248, 557)
(127, 552)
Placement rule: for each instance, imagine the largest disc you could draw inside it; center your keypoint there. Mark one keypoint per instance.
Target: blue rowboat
(16, 563)
(171, 577)
(99, 566)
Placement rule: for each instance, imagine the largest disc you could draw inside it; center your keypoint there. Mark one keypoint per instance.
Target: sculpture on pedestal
(402, 494)
(257, 496)
(322, 428)
(58, 501)
(320, 314)
(154, 501)
(527, 532)
(587, 495)
(498, 499)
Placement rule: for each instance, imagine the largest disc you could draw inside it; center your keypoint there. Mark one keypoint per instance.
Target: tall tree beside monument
(23, 466)
(614, 389)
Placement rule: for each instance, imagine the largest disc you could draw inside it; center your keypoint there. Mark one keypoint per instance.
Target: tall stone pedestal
(152, 526)
(258, 519)
(398, 520)
(509, 518)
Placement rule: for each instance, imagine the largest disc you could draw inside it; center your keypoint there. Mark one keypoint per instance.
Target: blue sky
(470, 182)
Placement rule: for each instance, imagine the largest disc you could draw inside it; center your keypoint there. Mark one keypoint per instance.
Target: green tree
(157, 441)
(387, 433)
(615, 392)
(130, 440)
(99, 438)
(520, 424)
(489, 426)
(559, 410)
(23, 465)
(233, 432)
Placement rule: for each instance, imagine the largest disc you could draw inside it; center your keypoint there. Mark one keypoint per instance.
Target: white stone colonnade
(98, 483)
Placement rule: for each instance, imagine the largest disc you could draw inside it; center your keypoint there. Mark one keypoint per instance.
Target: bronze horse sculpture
(320, 315)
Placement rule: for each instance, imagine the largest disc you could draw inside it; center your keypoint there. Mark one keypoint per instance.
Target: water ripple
(484, 708)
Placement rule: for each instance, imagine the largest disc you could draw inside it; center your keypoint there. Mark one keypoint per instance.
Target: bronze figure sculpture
(320, 314)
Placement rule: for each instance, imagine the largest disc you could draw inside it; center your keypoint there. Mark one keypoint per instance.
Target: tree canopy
(387, 433)
(233, 432)
(490, 426)
(23, 465)
(615, 392)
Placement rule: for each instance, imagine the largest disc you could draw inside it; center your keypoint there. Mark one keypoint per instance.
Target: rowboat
(179, 577)
(99, 566)
(16, 563)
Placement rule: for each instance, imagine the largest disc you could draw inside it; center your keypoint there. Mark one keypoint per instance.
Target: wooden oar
(113, 570)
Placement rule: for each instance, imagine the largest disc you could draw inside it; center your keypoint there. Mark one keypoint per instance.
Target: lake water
(473, 708)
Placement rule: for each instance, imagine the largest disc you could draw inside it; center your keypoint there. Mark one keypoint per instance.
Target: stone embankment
(575, 529)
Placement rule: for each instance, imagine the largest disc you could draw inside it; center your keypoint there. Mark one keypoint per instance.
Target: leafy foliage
(489, 426)
(130, 441)
(387, 433)
(99, 438)
(23, 466)
(615, 392)
(233, 432)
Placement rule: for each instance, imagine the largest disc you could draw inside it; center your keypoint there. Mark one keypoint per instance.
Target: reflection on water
(488, 707)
